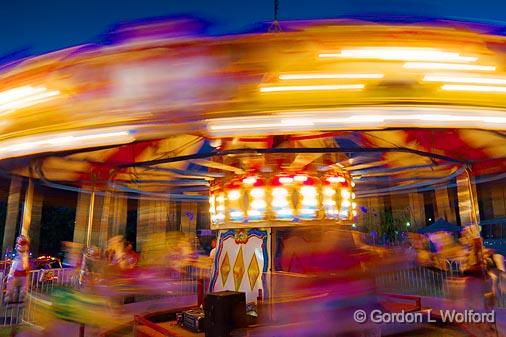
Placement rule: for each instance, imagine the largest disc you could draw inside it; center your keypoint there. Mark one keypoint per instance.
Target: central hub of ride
(281, 199)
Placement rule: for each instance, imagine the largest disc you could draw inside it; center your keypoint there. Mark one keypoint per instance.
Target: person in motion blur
(17, 278)
(129, 258)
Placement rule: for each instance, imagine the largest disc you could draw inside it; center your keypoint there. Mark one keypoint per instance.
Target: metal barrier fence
(423, 281)
(40, 282)
(418, 280)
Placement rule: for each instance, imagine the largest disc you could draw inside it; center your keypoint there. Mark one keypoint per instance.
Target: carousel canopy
(163, 110)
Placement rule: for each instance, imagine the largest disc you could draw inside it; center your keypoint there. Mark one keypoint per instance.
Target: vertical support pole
(90, 219)
(12, 214)
(468, 208)
(27, 209)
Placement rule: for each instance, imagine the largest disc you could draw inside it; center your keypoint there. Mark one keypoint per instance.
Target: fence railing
(422, 281)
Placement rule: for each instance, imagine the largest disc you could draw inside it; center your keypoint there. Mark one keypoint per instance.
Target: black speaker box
(224, 311)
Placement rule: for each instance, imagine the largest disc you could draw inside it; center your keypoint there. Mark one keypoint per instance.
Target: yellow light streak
(285, 77)
(23, 97)
(447, 66)
(322, 87)
(464, 79)
(400, 54)
(476, 88)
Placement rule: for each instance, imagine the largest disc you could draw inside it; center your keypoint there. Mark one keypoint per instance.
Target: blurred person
(329, 284)
(17, 283)
(212, 253)
(129, 258)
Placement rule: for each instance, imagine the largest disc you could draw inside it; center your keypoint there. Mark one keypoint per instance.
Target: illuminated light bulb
(475, 88)
(345, 194)
(300, 178)
(310, 202)
(464, 79)
(286, 180)
(220, 208)
(249, 180)
(236, 214)
(308, 191)
(334, 179)
(258, 204)
(234, 195)
(354, 213)
(352, 184)
(353, 195)
(321, 87)
(220, 198)
(211, 210)
(284, 211)
(346, 203)
(257, 192)
(279, 192)
(279, 203)
(448, 66)
(327, 191)
(354, 225)
(329, 202)
(353, 205)
(254, 213)
(400, 54)
(328, 76)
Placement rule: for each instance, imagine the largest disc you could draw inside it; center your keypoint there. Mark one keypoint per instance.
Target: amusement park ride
(278, 131)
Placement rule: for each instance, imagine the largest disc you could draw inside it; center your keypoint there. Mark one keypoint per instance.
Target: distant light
(354, 225)
(408, 224)
(430, 219)
(479, 88)
(449, 66)
(322, 87)
(400, 54)
(328, 76)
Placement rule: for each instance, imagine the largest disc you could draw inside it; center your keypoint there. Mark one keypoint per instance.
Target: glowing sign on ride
(283, 198)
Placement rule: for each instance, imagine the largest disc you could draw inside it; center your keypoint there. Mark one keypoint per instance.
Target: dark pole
(275, 27)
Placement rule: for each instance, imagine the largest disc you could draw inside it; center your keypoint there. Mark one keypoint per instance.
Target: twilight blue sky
(38, 26)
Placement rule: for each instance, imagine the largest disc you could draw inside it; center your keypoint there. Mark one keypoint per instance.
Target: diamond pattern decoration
(238, 269)
(225, 269)
(253, 271)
